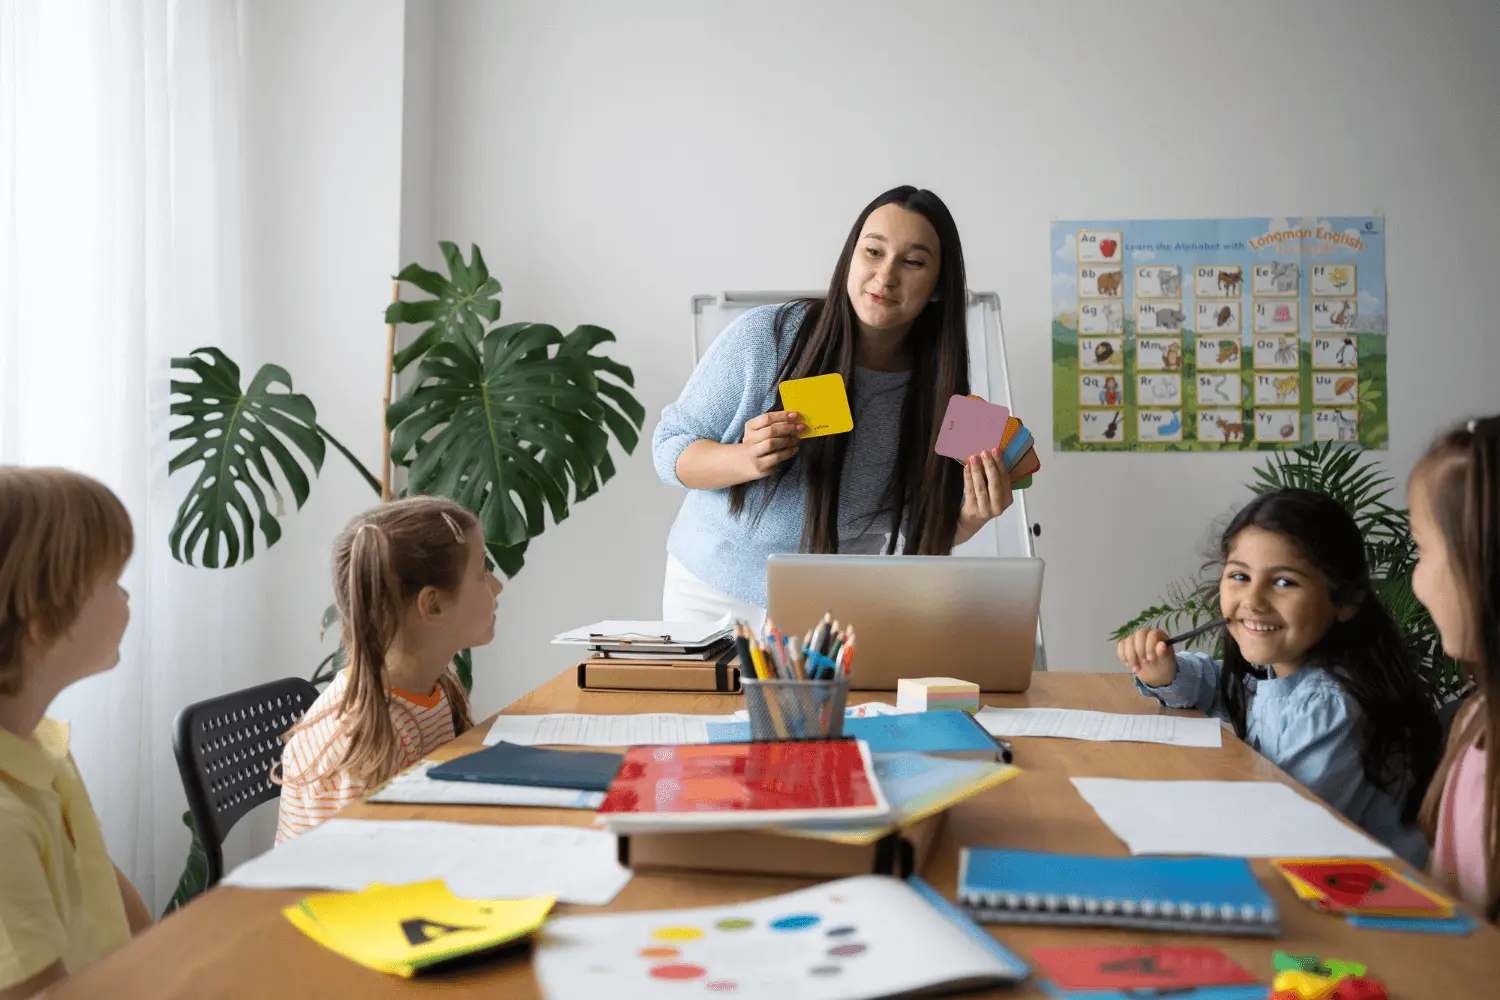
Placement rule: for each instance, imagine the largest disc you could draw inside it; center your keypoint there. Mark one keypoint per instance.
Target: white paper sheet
(678, 633)
(1106, 727)
(477, 862)
(648, 729)
(415, 788)
(1237, 819)
(867, 936)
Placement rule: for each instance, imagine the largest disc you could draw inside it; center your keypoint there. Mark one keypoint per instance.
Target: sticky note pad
(971, 426)
(821, 402)
(925, 694)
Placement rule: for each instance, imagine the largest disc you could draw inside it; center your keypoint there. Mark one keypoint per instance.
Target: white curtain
(120, 246)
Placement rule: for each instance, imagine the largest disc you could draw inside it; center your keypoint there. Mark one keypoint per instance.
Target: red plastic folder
(738, 785)
(1138, 968)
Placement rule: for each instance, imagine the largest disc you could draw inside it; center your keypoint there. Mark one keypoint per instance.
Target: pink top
(1458, 854)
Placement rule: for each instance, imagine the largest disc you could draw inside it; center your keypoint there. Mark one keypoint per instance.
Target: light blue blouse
(735, 382)
(1305, 725)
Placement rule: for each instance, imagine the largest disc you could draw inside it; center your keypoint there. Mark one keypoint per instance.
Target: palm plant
(1347, 475)
(513, 421)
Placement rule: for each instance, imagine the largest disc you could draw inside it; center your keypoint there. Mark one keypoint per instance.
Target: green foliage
(235, 435)
(1348, 476)
(459, 307)
(194, 877)
(508, 428)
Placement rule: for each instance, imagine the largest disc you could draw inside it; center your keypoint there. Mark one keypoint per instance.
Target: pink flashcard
(971, 426)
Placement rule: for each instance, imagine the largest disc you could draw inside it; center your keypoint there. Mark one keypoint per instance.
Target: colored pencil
(1195, 633)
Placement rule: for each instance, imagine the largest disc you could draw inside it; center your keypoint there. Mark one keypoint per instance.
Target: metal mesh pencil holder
(795, 710)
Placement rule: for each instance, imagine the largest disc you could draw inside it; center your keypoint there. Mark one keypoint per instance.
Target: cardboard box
(763, 852)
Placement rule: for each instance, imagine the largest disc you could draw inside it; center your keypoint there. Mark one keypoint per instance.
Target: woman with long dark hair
(1316, 674)
(893, 325)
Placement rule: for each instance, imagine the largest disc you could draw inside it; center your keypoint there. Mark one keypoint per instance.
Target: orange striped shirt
(423, 723)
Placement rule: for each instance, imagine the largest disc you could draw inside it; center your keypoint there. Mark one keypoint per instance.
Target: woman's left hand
(986, 492)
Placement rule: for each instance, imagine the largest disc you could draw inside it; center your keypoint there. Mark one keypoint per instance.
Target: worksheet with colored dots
(867, 936)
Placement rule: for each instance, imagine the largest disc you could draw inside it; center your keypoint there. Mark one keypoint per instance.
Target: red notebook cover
(737, 785)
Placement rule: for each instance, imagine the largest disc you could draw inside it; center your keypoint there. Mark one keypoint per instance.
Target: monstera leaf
(512, 425)
(462, 303)
(622, 413)
(236, 436)
(194, 877)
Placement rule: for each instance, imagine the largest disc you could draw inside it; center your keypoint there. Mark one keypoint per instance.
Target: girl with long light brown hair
(412, 591)
(1455, 521)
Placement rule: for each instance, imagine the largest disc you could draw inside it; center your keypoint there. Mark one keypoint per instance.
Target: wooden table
(235, 943)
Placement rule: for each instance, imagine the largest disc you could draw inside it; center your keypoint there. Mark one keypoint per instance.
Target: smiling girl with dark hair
(1316, 675)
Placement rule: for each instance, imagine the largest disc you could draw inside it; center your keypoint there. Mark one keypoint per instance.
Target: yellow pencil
(763, 671)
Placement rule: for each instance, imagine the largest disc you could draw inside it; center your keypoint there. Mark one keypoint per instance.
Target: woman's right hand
(769, 440)
(1146, 653)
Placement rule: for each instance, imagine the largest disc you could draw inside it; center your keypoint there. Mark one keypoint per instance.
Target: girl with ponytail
(412, 591)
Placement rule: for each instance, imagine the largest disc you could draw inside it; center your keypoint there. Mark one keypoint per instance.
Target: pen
(1196, 632)
(1007, 752)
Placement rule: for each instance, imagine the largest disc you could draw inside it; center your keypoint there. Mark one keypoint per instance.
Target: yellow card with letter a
(820, 402)
(403, 929)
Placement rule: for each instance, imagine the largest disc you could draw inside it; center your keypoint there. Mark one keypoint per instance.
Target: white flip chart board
(989, 377)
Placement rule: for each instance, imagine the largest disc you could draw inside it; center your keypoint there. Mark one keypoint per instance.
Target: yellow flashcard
(403, 929)
(820, 402)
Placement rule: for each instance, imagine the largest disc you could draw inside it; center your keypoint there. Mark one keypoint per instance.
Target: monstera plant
(513, 421)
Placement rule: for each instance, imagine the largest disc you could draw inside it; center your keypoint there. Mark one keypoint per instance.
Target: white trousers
(685, 598)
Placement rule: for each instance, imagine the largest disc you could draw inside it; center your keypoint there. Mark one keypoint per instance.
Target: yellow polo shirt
(58, 894)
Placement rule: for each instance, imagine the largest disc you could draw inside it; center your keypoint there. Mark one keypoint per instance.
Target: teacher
(893, 325)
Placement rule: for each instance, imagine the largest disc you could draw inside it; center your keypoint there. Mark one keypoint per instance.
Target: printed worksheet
(1102, 727)
(575, 730)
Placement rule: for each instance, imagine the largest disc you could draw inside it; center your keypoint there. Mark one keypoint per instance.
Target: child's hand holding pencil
(1149, 656)
(1148, 652)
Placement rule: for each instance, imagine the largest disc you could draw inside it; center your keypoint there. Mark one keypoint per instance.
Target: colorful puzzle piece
(1338, 970)
(1359, 988)
(1333, 968)
(1286, 962)
(1303, 985)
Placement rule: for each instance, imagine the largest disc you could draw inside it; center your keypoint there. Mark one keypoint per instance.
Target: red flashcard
(1137, 968)
(1363, 886)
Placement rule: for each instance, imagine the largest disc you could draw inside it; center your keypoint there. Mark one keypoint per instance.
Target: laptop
(917, 616)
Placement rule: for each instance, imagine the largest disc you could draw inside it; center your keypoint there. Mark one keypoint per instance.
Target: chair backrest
(225, 748)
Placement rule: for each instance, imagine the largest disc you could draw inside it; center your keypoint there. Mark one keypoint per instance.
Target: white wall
(323, 84)
(613, 159)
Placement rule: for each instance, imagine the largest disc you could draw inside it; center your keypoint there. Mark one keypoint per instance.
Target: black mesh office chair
(225, 748)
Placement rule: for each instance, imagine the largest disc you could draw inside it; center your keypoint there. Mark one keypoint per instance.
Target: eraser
(928, 694)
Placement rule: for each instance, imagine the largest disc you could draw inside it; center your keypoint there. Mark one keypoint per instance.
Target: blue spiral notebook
(1206, 895)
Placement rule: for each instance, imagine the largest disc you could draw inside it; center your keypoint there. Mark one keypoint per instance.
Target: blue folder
(509, 764)
(943, 731)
